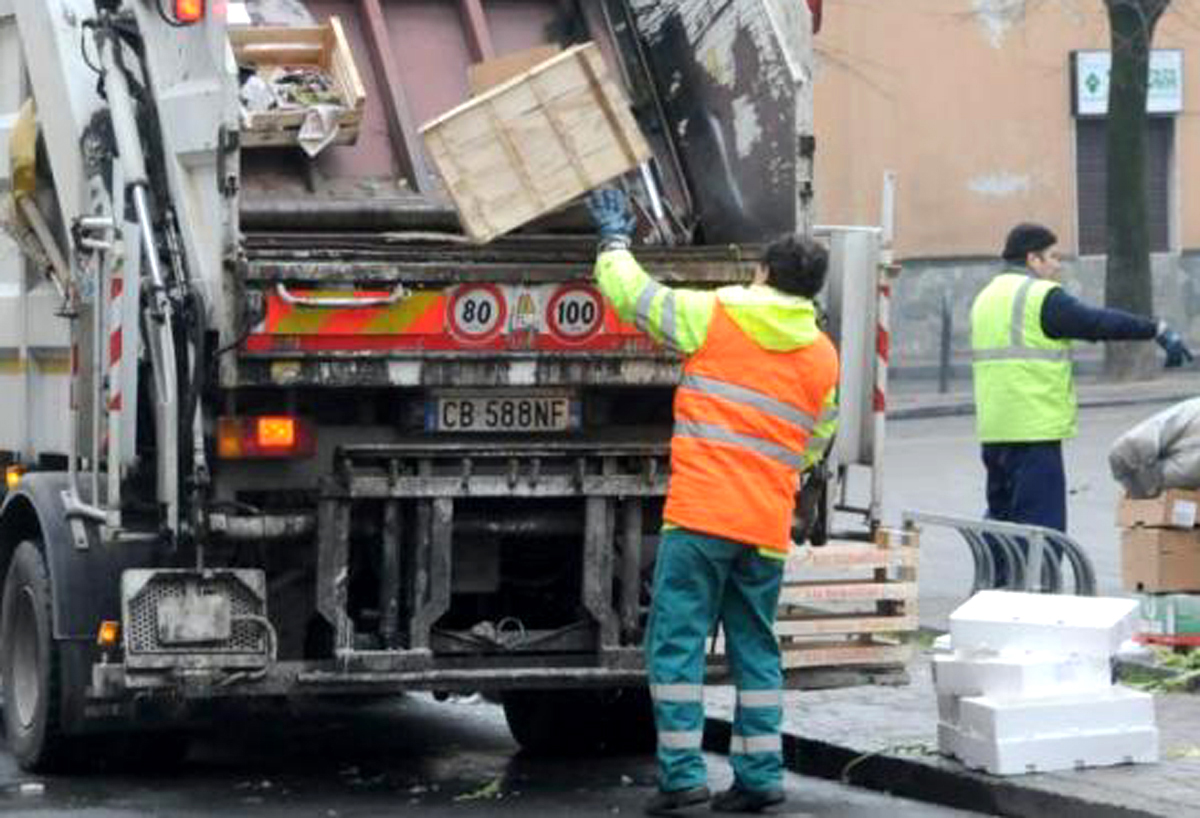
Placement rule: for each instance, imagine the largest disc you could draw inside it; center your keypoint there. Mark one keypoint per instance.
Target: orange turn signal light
(189, 11)
(274, 432)
(12, 477)
(108, 634)
(264, 436)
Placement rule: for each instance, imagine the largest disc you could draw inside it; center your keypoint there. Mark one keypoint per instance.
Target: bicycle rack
(1023, 549)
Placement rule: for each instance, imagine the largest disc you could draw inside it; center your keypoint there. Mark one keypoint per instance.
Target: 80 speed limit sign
(477, 312)
(575, 313)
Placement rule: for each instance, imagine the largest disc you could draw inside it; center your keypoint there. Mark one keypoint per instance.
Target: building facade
(992, 112)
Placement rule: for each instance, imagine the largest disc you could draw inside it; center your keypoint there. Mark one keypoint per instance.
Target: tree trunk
(1128, 283)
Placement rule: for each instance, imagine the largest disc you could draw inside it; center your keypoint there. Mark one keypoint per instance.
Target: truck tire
(30, 665)
(547, 722)
(580, 721)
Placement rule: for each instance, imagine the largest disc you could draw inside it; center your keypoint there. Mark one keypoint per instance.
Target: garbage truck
(272, 426)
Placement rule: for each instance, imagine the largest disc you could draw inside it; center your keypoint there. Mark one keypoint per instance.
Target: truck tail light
(189, 11)
(264, 436)
(108, 634)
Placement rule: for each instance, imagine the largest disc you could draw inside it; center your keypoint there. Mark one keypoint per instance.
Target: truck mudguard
(85, 576)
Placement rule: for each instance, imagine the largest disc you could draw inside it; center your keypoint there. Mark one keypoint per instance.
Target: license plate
(503, 413)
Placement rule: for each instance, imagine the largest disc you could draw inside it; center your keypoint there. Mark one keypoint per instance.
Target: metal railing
(1016, 557)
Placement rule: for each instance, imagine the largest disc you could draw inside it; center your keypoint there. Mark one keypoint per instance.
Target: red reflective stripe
(114, 347)
(883, 343)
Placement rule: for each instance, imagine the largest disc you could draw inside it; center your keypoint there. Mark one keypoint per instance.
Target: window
(1091, 173)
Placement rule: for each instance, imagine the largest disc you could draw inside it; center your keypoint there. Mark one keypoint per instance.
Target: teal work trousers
(699, 579)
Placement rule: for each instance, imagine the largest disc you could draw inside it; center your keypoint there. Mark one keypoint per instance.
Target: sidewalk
(918, 397)
(885, 738)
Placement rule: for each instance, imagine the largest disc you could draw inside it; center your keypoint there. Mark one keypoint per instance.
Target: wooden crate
(847, 613)
(534, 143)
(324, 47)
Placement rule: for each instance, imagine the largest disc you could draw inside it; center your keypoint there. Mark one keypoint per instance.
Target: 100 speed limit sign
(575, 313)
(477, 312)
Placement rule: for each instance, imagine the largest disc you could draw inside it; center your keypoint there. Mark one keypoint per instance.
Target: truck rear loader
(272, 426)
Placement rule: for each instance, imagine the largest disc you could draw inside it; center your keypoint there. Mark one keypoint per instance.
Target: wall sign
(1163, 96)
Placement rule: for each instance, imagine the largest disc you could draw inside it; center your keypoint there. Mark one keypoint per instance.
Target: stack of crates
(1028, 685)
(1160, 561)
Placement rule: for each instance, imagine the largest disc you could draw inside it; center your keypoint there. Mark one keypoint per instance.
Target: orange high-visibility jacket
(760, 378)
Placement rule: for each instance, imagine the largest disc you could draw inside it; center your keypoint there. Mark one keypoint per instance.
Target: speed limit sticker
(476, 312)
(575, 313)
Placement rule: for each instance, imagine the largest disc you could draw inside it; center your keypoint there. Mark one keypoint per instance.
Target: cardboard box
(1159, 560)
(1017, 675)
(1174, 508)
(1000, 621)
(1170, 614)
(534, 143)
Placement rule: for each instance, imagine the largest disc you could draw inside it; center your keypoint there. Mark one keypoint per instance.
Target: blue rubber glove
(615, 222)
(1177, 352)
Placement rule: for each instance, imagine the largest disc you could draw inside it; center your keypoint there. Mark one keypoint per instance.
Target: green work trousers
(699, 579)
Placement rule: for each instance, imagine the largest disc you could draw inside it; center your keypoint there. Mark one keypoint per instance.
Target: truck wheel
(627, 718)
(30, 665)
(581, 721)
(552, 721)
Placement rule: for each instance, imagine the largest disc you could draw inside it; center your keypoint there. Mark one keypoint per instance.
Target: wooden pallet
(532, 144)
(847, 613)
(324, 47)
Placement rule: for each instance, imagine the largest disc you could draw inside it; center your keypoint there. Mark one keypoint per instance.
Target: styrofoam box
(1115, 709)
(1013, 675)
(1048, 753)
(1007, 620)
(942, 644)
(948, 739)
(949, 708)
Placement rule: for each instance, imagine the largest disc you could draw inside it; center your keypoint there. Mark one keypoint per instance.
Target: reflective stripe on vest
(645, 306)
(719, 434)
(750, 397)
(1022, 378)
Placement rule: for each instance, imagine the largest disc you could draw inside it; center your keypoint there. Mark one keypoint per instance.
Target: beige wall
(972, 108)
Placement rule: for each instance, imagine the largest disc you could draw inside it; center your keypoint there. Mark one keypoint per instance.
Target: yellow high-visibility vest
(1024, 389)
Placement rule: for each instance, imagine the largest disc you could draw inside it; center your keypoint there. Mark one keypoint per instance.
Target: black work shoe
(671, 801)
(735, 799)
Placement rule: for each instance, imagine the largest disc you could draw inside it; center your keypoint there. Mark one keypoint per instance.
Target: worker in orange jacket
(755, 409)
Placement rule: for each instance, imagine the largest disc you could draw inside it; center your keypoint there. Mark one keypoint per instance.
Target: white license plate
(507, 413)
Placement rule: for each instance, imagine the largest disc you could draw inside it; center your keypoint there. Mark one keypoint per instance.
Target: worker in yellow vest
(1022, 324)
(755, 409)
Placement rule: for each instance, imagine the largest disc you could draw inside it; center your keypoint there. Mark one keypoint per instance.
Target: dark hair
(796, 265)
(1026, 238)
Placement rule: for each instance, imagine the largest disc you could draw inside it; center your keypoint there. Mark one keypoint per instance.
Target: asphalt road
(409, 756)
(934, 465)
(433, 759)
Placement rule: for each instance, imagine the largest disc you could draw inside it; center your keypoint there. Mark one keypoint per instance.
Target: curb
(967, 406)
(928, 778)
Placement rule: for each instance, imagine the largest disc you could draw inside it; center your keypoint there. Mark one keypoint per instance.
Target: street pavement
(885, 737)
(407, 756)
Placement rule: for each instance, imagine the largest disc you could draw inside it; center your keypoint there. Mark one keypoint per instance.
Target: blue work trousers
(1026, 483)
(698, 579)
